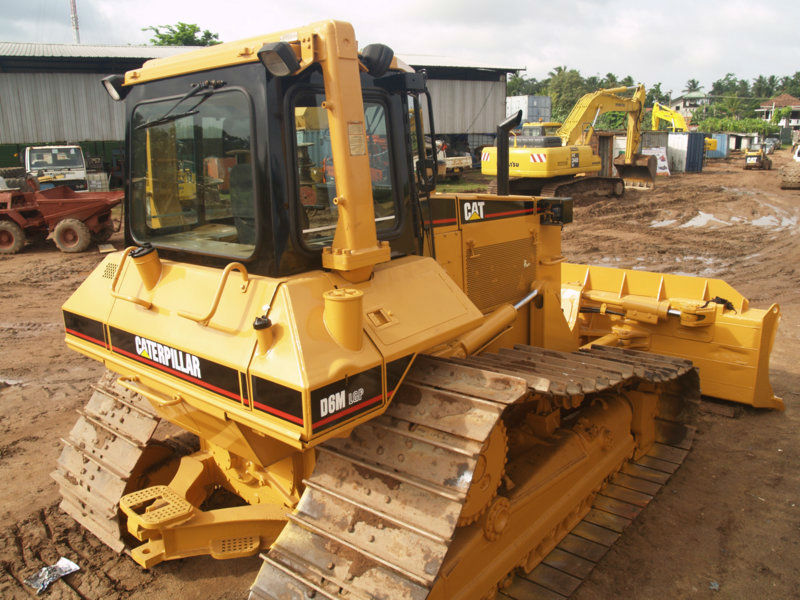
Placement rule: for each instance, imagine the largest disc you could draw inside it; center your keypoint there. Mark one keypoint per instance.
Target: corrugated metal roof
(430, 60)
(781, 101)
(37, 50)
(40, 50)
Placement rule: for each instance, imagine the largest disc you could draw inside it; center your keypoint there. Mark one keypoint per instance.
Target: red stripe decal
(178, 374)
(278, 413)
(509, 213)
(85, 337)
(442, 221)
(347, 411)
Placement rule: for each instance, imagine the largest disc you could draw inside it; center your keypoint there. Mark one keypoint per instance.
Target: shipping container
(534, 108)
(654, 139)
(722, 146)
(685, 152)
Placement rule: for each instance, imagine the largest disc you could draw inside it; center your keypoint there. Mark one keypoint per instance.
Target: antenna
(73, 10)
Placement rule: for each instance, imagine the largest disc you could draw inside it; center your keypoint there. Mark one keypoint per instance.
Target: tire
(12, 238)
(790, 177)
(72, 235)
(103, 235)
(12, 172)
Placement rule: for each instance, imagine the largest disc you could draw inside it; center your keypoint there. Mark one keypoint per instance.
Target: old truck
(57, 165)
(74, 219)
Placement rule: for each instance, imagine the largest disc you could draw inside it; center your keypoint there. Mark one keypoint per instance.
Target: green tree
(565, 88)
(692, 85)
(655, 94)
(519, 86)
(181, 34)
(779, 114)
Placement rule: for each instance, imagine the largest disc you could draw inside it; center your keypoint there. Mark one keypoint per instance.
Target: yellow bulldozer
(390, 392)
(565, 165)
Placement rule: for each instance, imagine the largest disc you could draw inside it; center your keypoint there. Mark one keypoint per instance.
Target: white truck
(57, 165)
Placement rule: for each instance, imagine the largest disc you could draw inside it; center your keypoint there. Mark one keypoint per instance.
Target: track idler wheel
(487, 476)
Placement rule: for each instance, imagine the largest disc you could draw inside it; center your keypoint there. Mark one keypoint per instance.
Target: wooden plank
(658, 464)
(554, 580)
(524, 589)
(569, 563)
(635, 483)
(626, 495)
(674, 434)
(582, 547)
(720, 407)
(607, 520)
(595, 533)
(668, 453)
(643, 472)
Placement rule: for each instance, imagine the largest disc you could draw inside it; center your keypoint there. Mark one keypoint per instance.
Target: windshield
(55, 158)
(537, 130)
(315, 174)
(192, 181)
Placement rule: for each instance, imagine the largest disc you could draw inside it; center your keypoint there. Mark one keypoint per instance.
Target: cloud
(653, 42)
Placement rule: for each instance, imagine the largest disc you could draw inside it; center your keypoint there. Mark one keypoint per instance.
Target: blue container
(722, 146)
(694, 152)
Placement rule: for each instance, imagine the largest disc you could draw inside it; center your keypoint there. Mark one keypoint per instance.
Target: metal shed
(722, 146)
(51, 93)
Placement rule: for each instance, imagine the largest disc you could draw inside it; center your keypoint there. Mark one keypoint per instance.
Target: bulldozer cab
(236, 164)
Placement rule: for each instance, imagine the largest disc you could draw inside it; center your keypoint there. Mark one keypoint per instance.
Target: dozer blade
(703, 320)
(382, 515)
(641, 174)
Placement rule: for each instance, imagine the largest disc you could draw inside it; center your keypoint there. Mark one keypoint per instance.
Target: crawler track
(630, 490)
(105, 456)
(381, 510)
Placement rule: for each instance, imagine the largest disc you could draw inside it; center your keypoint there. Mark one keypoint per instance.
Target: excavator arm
(675, 119)
(579, 125)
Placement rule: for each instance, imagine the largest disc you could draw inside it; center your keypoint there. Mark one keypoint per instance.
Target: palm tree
(692, 86)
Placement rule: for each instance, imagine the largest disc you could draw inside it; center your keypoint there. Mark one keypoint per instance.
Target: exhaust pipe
(502, 151)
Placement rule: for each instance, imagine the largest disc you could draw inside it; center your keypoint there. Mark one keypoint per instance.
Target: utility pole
(73, 9)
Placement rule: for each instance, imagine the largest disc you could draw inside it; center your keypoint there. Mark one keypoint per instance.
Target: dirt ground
(726, 526)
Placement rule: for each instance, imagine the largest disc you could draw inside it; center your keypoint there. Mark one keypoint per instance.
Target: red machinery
(74, 219)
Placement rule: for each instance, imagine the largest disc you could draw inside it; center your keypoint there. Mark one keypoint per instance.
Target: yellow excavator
(676, 122)
(565, 165)
(390, 392)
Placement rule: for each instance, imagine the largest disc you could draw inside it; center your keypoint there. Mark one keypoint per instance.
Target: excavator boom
(550, 169)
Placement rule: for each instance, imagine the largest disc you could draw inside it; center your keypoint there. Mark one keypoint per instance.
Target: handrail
(115, 294)
(129, 383)
(234, 266)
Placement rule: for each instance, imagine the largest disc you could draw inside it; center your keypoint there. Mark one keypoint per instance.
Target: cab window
(192, 179)
(315, 176)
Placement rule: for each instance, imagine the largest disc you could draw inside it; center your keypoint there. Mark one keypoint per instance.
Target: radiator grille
(499, 273)
(110, 270)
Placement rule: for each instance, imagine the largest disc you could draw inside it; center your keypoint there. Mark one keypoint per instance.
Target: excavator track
(382, 508)
(580, 188)
(105, 456)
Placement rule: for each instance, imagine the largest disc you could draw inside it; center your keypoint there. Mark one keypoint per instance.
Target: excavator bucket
(704, 320)
(640, 174)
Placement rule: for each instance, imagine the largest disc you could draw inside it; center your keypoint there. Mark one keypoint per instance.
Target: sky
(666, 42)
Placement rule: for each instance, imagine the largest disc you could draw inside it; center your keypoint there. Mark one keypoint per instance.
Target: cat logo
(473, 211)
